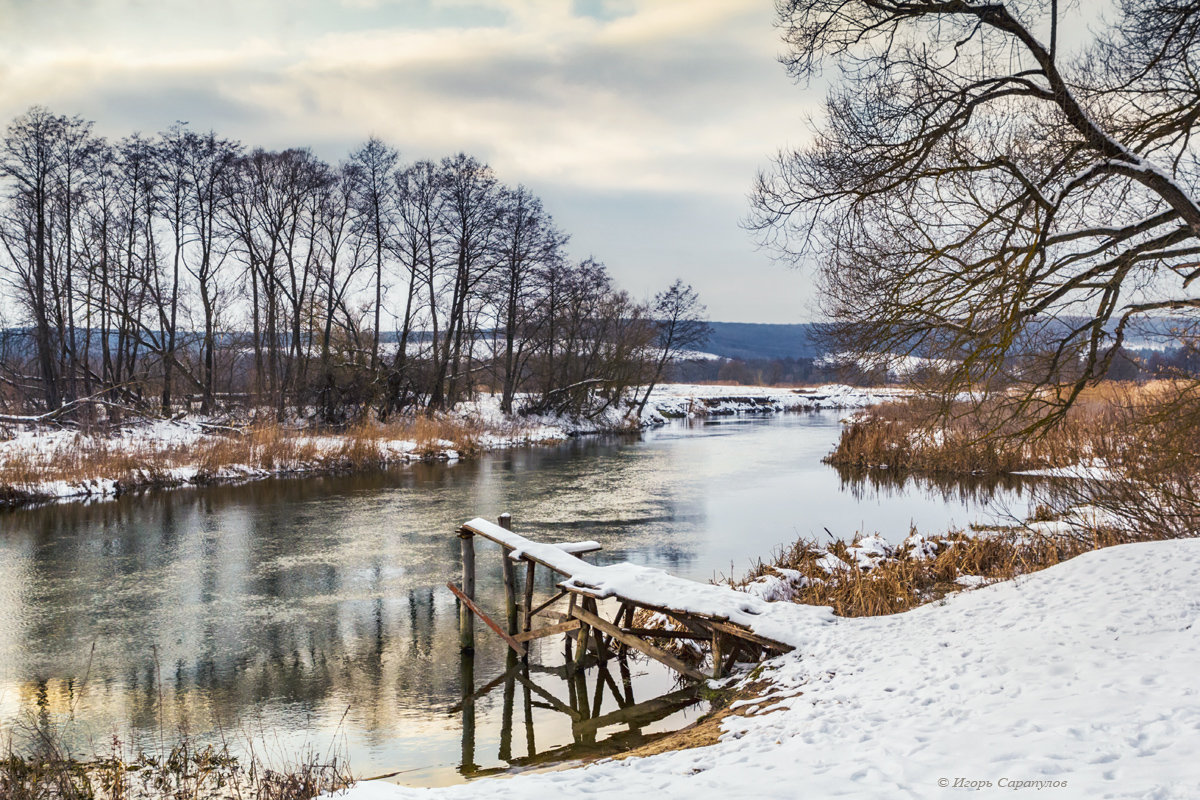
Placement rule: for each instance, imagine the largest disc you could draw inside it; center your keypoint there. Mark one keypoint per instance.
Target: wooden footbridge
(712, 616)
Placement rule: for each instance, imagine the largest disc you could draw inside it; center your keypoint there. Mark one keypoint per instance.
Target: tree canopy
(979, 194)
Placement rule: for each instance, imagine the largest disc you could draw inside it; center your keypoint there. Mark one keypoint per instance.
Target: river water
(311, 614)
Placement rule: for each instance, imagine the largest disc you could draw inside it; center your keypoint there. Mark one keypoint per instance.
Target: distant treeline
(141, 270)
(1137, 365)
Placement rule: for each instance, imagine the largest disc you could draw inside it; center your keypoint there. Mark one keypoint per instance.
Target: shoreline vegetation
(186, 770)
(40, 463)
(862, 577)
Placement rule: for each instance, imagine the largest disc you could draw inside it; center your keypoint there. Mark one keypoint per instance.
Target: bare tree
(679, 325)
(469, 211)
(527, 243)
(973, 195)
(105, 247)
(31, 156)
(376, 207)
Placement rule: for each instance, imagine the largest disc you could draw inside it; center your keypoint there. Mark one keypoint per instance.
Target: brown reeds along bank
(107, 464)
(1139, 445)
(49, 772)
(921, 435)
(990, 436)
(868, 578)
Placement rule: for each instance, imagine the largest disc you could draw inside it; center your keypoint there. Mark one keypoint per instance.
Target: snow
(649, 586)
(166, 441)
(700, 400)
(1079, 679)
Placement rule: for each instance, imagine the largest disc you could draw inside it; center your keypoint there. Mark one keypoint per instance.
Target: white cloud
(664, 97)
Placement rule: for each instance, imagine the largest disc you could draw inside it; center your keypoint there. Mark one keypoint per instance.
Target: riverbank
(40, 464)
(1071, 679)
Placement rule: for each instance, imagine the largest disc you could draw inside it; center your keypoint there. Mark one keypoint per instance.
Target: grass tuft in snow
(868, 577)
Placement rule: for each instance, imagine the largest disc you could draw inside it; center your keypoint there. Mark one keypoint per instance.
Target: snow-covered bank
(40, 463)
(699, 400)
(1077, 681)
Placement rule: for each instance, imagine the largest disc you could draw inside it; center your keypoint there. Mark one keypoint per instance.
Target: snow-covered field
(692, 400)
(1075, 682)
(167, 442)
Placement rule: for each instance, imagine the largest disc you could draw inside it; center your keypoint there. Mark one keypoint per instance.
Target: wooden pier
(583, 586)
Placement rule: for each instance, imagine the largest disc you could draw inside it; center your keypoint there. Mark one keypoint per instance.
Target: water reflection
(863, 483)
(587, 698)
(313, 611)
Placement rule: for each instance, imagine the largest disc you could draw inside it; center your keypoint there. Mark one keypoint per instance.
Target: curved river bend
(312, 613)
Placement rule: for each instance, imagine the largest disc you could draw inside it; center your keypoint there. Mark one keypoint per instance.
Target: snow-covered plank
(654, 588)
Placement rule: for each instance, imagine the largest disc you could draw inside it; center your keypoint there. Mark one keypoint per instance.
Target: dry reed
(82, 459)
(927, 570)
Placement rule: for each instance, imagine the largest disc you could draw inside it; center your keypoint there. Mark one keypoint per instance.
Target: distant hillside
(749, 340)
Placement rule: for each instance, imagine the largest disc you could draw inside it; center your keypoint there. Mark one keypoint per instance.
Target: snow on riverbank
(1074, 682)
(698, 400)
(40, 463)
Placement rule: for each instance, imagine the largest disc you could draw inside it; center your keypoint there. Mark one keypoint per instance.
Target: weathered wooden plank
(663, 633)
(637, 644)
(710, 620)
(549, 630)
(545, 610)
(750, 636)
(513, 643)
(494, 536)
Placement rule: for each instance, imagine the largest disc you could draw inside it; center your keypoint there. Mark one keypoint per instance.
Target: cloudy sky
(641, 123)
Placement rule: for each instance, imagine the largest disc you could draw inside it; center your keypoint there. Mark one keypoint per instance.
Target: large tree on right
(988, 191)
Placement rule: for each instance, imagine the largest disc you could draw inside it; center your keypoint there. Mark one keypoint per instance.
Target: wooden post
(510, 585)
(529, 583)
(466, 621)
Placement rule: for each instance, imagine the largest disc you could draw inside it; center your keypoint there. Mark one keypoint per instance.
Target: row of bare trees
(148, 268)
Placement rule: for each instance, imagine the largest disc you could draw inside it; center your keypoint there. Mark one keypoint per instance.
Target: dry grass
(260, 448)
(186, 771)
(918, 435)
(909, 578)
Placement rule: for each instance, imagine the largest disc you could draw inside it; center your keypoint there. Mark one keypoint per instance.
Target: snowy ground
(692, 400)
(1075, 682)
(32, 446)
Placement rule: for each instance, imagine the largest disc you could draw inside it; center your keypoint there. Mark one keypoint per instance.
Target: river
(311, 614)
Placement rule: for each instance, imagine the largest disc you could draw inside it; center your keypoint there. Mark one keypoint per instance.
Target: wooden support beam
(466, 626)
(549, 630)
(530, 568)
(510, 579)
(709, 621)
(742, 633)
(597, 634)
(663, 633)
(469, 603)
(581, 639)
(718, 654)
(544, 607)
(646, 648)
(735, 648)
